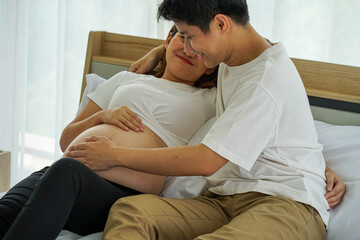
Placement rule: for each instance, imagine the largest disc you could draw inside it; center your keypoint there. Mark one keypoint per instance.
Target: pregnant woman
(68, 195)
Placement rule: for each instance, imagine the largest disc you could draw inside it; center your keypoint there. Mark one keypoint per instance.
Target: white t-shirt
(266, 130)
(173, 111)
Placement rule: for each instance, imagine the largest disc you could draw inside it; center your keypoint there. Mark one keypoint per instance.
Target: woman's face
(181, 66)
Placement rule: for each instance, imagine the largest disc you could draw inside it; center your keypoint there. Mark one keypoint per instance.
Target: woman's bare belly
(146, 139)
(139, 181)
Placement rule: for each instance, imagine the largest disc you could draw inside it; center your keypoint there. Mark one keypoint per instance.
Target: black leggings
(68, 195)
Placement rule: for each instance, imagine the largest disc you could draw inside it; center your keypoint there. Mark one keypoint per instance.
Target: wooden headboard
(329, 86)
(115, 49)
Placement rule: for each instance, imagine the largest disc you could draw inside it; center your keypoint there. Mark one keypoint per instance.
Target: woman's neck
(170, 77)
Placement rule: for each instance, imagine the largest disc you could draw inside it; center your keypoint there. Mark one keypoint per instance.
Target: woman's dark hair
(205, 81)
(200, 13)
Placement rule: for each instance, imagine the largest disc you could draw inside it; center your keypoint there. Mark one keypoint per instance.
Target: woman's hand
(335, 187)
(98, 153)
(148, 62)
(123, 118)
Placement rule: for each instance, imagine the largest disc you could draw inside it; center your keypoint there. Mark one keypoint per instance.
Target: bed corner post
(94, 48)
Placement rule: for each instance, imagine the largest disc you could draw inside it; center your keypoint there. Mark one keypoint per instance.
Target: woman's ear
(210, 70)
(167, 41)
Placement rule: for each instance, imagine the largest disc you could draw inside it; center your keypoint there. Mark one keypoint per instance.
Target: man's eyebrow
(183, 32)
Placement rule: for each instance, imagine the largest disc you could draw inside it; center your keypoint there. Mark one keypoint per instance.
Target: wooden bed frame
(333, 87)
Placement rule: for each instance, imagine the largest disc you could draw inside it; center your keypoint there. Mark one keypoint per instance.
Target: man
(264, 163)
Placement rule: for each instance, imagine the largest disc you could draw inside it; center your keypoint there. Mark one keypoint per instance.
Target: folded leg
(259, 216)
(14, 200)
(68, 194)
(153, 217)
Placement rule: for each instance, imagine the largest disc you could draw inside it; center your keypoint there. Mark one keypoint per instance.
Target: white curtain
(42, 49)
(321, 30)
(43, 45)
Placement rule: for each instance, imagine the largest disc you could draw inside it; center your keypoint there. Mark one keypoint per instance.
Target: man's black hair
(200, 13)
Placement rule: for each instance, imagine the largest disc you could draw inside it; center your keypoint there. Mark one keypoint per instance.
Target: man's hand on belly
(98, 153)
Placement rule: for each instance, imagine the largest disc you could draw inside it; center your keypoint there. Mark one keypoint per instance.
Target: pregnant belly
(143, 182)
(146, 139)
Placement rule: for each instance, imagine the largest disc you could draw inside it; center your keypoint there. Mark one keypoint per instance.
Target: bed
(334, 94)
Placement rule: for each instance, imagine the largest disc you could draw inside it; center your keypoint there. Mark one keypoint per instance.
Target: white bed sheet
(342, 154)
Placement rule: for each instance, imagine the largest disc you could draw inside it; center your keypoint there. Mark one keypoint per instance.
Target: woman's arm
(90, 116)
(93, 115)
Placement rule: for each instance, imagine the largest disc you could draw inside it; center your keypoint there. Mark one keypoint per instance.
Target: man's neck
(245, 45)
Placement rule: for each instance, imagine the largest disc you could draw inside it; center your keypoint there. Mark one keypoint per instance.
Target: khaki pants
(241, 216)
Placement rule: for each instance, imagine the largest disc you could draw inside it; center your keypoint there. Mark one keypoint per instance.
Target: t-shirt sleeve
(244, 129)
(105, 91)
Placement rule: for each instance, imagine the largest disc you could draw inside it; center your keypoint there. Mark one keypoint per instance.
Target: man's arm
(177, 161)
(100, 153)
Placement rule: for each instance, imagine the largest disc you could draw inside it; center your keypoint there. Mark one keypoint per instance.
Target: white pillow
(92, 81)
(342, 154)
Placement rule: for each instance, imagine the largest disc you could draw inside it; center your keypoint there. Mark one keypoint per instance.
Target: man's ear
(222, 23)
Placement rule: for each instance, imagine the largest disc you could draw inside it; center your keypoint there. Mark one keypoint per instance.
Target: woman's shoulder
(136, 76)
(124, 77)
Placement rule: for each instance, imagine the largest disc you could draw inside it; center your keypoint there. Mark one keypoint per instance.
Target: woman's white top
(174, 111)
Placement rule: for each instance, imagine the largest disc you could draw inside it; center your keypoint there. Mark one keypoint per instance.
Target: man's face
(206, 46)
